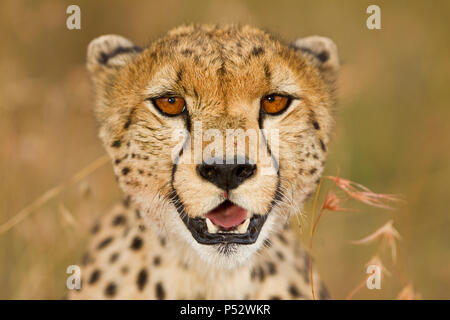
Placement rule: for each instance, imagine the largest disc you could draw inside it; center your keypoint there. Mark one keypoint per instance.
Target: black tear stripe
(187, 121)
(260, 123)
(173, 193)
(105, 57)
(277, 195)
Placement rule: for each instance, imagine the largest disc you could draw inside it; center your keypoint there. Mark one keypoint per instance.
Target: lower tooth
(211, 227)
(243, 227)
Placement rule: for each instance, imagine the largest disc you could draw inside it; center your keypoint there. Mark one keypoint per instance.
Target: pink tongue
(227, 215)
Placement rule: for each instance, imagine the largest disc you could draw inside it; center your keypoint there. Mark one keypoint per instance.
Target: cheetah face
(217, 134)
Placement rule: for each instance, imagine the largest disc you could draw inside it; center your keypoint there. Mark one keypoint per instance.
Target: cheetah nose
(226, 176)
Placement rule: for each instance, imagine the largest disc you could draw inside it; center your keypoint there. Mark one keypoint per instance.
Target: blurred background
(392, 132)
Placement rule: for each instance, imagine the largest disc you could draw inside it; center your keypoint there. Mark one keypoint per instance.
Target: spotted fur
(142, 249)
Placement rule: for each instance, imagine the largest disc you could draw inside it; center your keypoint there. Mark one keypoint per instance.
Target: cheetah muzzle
(228, 222)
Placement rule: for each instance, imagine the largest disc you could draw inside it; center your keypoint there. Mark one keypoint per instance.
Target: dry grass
(392, 132)
(387, 235)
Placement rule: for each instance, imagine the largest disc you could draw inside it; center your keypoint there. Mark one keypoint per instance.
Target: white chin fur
(164, 219)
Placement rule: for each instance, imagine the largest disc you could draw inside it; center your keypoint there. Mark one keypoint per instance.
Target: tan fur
(222, 73)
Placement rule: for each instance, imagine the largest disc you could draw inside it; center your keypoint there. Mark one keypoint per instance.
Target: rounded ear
(322, 51)
(110, 52)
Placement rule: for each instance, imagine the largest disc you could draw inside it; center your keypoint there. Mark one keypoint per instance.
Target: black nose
(226, 176)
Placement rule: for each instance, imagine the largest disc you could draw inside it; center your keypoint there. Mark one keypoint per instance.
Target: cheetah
(216, 226)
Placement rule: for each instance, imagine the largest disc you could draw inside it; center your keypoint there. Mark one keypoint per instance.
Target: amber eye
(275, 103)
(171, 106)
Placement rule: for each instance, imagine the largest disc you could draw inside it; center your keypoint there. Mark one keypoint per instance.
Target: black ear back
(105, 57)
(322, 50)
(110, 51)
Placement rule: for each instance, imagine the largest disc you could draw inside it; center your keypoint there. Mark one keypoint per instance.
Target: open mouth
(227, 223)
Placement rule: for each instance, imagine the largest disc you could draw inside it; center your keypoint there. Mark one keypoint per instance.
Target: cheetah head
(217, 134)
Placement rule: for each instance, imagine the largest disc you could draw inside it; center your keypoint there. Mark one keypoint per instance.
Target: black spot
(126, 202)
(116, 143)
(323, 293)
(119, 220)
(221, 71)
(86, 259)
(117, 161)
(180, 75)
(111, 290)
(312, 171)
(282, 238)
(125, 171)
(300, 269)
(322, 145)
(323, 56)
(136, 244)
(95, 275)
(114, 257)
(294, 291)
(257, 51)
(142, 279)
(127, 124)
(316, 125)
(253, 274)
(271, 268)
(160, 293)
(279, 255)
(95, 228)
(261, 273)
(157, 261)
(162, 240)
(104, 242)
(267, 243)
(267, 72)
(124, 270)
(186, 52)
